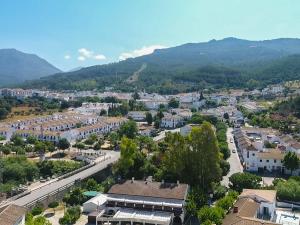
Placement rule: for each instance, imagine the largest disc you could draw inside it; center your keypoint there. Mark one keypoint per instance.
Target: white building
(171, 121)
(143, 202)
(253, 206)
(137, 115)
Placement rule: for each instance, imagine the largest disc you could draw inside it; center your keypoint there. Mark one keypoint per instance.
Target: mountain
(16, 66)
(230, 62)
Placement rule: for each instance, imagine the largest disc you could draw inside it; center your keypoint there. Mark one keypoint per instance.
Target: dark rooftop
(150, 189)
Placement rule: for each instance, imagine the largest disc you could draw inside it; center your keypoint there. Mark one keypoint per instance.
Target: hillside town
(90, 132)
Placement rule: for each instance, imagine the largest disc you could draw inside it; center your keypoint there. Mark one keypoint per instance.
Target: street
(48, 188)
(234, 161)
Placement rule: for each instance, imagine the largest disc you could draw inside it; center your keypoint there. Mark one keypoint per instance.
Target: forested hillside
(228, 63)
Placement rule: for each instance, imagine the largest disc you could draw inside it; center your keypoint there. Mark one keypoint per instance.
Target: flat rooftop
(154, 217)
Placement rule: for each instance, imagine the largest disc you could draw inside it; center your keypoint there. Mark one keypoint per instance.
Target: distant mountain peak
(17, 66)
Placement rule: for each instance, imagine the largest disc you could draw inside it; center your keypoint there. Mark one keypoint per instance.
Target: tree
(3, 113)
(173, 103)
(40, 147)
(17, 140)
(225, 167)
(103, 112)
(136, 96)
(226, 116)
(53, 205)
(196, 199)
(80, 145)
(128, 129)
(91, 185)
(128, 151)
(239, 181)
(63, 144)
(291, 161)
(31, 140)
(37, 210)
(75, 197)
(39, 220)
(213, 214)
(156, 123)
(113, 139)
(71, 216)
(289, 190)
(149, 118)
(194, 160)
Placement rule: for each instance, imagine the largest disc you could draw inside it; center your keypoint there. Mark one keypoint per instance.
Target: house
(171, 121)
(153, 103)
(12, 215)
(137, 115)
(266, 200)
(184, 113)
(255, 207)
(143, 202)
(256, 156)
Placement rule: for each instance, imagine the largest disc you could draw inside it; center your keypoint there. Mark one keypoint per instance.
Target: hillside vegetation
(228, 63)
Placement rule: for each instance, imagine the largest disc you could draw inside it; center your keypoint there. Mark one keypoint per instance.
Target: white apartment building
(171, 121)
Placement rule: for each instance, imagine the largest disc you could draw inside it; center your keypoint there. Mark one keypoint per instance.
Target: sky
(79, 33)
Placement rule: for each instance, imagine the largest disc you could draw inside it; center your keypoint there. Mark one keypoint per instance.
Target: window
(267, 160)
(253, 154)
(260, 160)
(275, 160)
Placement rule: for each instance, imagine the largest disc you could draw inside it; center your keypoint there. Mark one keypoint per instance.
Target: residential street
(235, 164)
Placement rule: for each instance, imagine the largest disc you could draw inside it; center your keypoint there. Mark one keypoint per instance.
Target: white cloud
(146, 50)
(67, 57)
(99, 57)
(88, 54)
(81, 58)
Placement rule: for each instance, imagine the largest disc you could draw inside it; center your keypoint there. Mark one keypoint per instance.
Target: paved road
(235, 164)
(43, 191)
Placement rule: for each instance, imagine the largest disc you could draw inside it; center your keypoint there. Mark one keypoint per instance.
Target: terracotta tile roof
(150, 189)
(271, 154)
(268, 195)
(10, 214)
(246, 215)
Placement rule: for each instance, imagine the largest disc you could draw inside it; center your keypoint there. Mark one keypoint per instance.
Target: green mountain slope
(226, 63)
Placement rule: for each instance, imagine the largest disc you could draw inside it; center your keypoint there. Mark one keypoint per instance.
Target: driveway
(234, 161)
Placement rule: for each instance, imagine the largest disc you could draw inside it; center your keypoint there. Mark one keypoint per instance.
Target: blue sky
(73, 33)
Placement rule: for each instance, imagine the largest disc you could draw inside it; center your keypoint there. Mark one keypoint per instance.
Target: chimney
(235, 209)
(132, 179)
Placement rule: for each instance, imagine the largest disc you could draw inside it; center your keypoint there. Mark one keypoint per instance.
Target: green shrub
(71, 215)
(213, 214)
(239, 181)
(37, 210)
(288, 190)
(219, 191)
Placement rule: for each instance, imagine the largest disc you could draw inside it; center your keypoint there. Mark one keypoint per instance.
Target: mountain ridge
(196, 64)
(19, 66)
